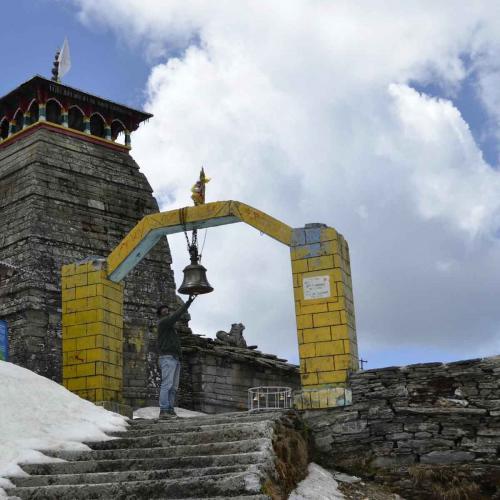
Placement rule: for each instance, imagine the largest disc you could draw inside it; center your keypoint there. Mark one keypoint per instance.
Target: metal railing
(269, 398)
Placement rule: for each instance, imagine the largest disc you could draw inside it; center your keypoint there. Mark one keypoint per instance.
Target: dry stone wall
(406, 419)
(220, 375)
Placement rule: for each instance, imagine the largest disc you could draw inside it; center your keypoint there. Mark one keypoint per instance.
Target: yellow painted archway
(92, 309)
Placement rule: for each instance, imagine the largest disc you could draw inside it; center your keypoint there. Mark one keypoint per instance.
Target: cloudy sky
(379, 118)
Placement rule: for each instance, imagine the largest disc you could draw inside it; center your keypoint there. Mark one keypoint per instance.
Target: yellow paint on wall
(87, 342)
(85, 369)
(326, 319)
(68, 294)
(314, 308)
(329, 348)
(68, 345)
(92, 331)
(75, 384)
(328, 233)
(299, 266)
(75, 357)
(319, 263)
(339, 305)
(69, 371)
(332, 377)
(107, 369)
(85, 291)
(340, 332)
(343, 362)
(317, 334)
(305, 321)
(309, 378)
(307, 351)
(320, 364)
(67, 270)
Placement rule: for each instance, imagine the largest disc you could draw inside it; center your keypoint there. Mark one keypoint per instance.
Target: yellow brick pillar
(92, 334)
(324, 308)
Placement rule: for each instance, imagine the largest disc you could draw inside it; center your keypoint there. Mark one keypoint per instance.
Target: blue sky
(100, 64)
(310, 113)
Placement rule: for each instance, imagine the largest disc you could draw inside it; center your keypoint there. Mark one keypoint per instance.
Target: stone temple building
(70, 190)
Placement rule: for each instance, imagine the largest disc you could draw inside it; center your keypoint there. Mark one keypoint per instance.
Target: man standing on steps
(169, 350)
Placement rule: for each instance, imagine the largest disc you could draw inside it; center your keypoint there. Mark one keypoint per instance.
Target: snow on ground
(153, 412)
(37, 413)
(318, 485)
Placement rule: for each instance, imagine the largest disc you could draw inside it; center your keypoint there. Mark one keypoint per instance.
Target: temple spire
(55, 67)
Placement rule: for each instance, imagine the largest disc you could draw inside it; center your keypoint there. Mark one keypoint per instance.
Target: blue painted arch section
(154, 236)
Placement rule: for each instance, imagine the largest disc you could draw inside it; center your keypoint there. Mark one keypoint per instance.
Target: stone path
(221, 456)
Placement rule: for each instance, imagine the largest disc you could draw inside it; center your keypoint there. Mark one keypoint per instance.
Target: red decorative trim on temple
(64, 131)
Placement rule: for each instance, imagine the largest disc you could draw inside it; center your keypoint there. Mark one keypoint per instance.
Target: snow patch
(345, 478)
(318, 485)
(39, 414)
(152, 412)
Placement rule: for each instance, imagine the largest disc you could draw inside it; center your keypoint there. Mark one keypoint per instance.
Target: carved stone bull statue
(234, 337)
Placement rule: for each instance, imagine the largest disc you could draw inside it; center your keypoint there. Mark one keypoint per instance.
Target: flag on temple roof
(64, 59)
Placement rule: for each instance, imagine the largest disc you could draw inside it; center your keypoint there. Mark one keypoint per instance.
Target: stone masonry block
(343, 362)
(309, 378)
(328, 233)
(315, 308)
(326, 319)
(320, 364)
(298, 237)
(85, 369)
(299, 266)
(339, 332)
(319, 263)
(307, 350)
(339, 305)
(69, 371)
(68, 345)
(85, 291)
(317, 334)
(329, 348)
(331, 377)
(305, 321)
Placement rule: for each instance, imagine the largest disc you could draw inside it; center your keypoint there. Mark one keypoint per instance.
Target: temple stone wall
(63, 200)
(420, 428)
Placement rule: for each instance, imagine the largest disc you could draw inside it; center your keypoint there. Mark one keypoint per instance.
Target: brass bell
(195, 278)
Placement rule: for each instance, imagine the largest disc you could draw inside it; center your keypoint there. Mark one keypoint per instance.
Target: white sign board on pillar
(316, 287)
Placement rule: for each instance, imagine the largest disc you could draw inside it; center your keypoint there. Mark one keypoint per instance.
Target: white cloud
(305, 110)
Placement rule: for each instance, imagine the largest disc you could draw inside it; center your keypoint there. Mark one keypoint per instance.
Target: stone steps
(91, 466)
(127, 475)
(239, 497)
(224, 448)
(162, 427)
(154, 437)
(196, 423)
(199, 487)
(227, 456)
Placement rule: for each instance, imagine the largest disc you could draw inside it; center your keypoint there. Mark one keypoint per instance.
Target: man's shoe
(166, 414)
(172, 413)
